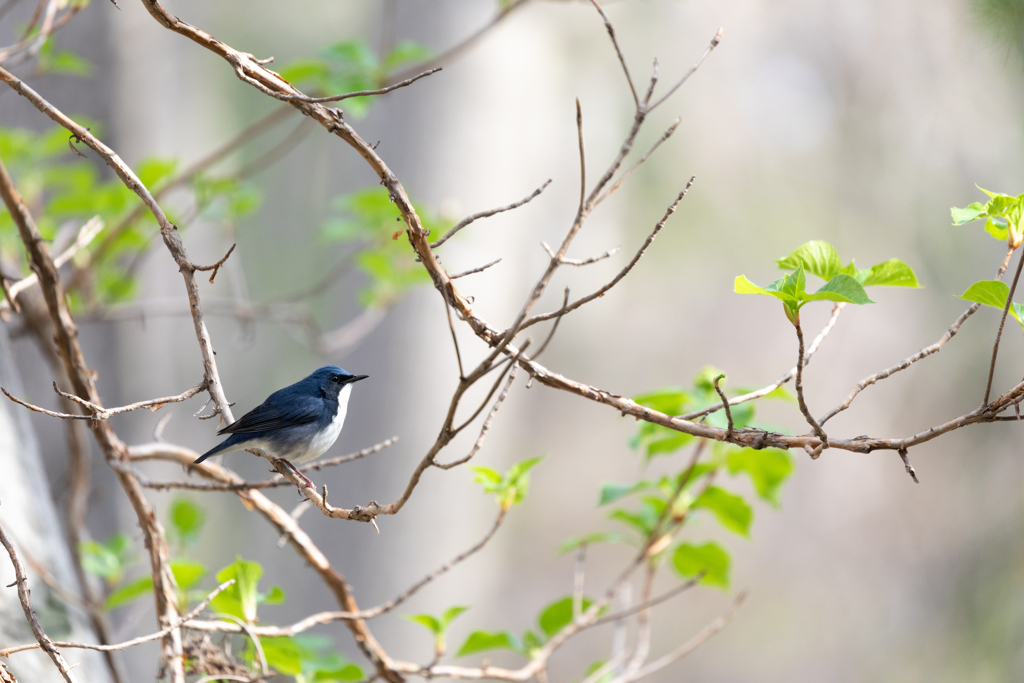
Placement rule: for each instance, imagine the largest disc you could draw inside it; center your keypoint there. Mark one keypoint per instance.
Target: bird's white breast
(325, 439)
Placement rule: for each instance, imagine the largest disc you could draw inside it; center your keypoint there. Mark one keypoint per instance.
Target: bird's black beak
(355, 378)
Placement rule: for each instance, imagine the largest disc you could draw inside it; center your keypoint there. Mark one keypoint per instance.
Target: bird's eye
(336, 378)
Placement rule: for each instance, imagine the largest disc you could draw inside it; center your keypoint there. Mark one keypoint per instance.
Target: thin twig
(906, 463)
(485, 428)
(592, 259)
(134, 641)
(714, 43)
(360, 93)
(579, 133)
(818, 431)
(44, 641)
(486, 214)
(88, 231)
(628, 172)
(693, 643)
(622, 273)
(455, 339)
(725, 402)
(736, 400)
(472, 271)
(216, 266)
(618, 51)
(999, 333)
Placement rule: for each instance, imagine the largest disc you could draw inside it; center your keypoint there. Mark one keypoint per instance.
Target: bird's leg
(307, 482)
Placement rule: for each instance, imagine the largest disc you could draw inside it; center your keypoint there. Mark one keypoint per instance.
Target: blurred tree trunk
(28, 514)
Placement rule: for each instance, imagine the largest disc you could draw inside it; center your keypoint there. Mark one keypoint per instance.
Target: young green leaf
(281, 652)
(841, 288)
(427, 621)
(767, 468)
(109, 559)
(991, 293)
(558, 615)
(511, 488)
(187, 573)
(708, 559)
(481, 641)
(612, 491)
(670, 400)
(240, 599)
(129, 592)
(891, 273)
(187, 519)
(730, 510)
(816, 257)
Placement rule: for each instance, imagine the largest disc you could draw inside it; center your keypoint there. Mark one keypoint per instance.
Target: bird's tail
(228, 444)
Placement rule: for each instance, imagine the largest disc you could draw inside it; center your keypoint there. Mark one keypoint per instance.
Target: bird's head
(331, 379)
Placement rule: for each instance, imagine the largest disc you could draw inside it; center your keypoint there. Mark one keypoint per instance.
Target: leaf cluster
(368, 218)
(843, 284)
(350, 66)
(1002, 214)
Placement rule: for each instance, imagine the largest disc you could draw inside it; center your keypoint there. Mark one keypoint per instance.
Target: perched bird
(296, 424)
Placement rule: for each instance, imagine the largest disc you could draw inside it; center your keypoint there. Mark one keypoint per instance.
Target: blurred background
(857, 122)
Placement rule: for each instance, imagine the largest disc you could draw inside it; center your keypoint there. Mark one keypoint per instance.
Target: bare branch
(134, 641)
(216, 266)
(815, 427)
(579, 134)
(485, 428)
(725, 402)
(44, 641)
(473, 271)
(618, 183)
(168, 231)
(923, 353)
(486, 214)
(360, 93)
(999, 333)
(618, 51)
(86, 234)
(714, 43)
(622, 273)
(693, 643)
(592, 259)
(330, 617)
(909, 467)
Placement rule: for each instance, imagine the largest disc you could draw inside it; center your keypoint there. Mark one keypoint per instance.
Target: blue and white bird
(296, 424)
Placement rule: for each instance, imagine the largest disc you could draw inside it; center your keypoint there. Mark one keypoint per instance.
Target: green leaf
(744, 286)
(282, 654)
(816, 257)
(768, 469)
(428, 622)
(612, 491)
(481, 641)
(346, 674)
(731, 510)
(187, 519)
(992, 293)
(405, 51)
(303, 70)
(511, 488)
(891, 273)
(710, 559)
(451, 614)
(240, 599)
(842, 288)
(971, 212)
(997, 229)
(558, 615)
(187, 573)
(276, 596)
(109, 559)
(670, 400)
(129, 592)
(988, 292)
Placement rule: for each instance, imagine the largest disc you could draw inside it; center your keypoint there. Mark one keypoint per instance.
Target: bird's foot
(307, 483)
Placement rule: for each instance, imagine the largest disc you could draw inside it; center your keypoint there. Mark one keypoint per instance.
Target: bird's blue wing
(277, 412)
